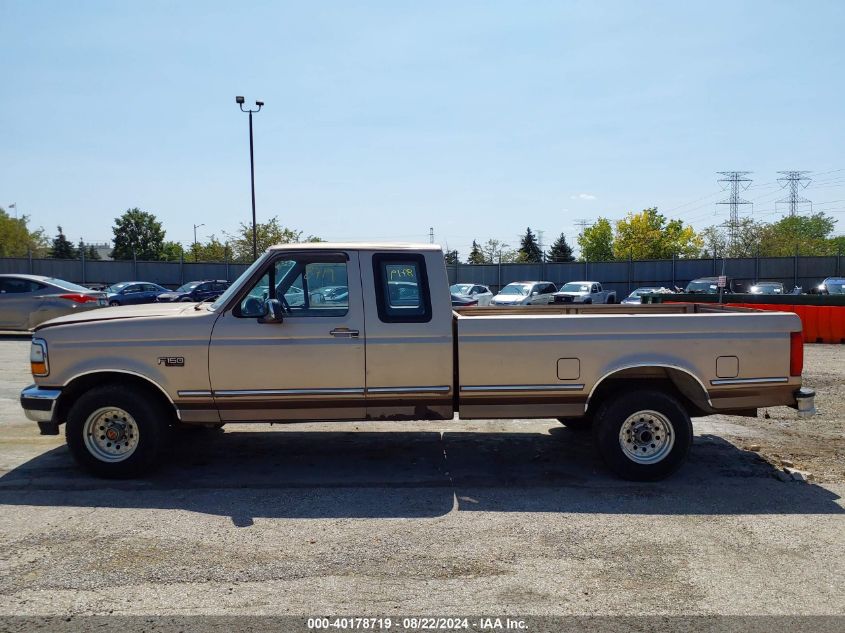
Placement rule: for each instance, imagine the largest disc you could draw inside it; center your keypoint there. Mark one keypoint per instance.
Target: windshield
(222, 299)
(705, 286)
(515, 289)
(835, 286)
(66, 285)
(460, 289)
(117, 287)
(767, 289)
(188, 286)
(571, 287)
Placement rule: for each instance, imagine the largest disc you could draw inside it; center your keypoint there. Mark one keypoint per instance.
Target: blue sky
(386, 118)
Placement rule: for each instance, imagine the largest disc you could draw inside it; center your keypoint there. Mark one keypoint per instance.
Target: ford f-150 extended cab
(390, 347)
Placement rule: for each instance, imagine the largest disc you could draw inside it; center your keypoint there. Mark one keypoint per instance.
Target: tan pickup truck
(366, 332)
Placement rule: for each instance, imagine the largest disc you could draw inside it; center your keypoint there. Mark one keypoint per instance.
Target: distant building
(103, 249)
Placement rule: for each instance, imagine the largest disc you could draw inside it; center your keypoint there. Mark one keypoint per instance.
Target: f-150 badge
(171, 361)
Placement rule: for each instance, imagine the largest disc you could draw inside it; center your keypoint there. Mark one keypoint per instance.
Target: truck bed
(547, 361)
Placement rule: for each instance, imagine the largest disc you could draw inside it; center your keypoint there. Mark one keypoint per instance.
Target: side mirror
(535, 293)
(273, 312)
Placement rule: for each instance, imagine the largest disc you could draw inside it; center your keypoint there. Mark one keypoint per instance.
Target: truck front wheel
(115, 431)
(643, 435)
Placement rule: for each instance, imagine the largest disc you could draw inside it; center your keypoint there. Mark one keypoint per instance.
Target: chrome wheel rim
(646, 437)
(111, 434)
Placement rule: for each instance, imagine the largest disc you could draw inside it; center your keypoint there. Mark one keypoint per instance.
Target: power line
(794, 180)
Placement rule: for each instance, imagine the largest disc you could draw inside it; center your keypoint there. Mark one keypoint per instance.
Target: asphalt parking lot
(428, 518)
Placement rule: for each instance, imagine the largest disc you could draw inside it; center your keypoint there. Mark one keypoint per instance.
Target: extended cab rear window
(401, 283)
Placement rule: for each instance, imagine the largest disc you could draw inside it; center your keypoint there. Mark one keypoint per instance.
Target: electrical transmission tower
(583, 224)
(795, 180)
(736, 180)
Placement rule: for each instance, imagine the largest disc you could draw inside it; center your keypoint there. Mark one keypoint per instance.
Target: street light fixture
(240, 101)
(196, 226)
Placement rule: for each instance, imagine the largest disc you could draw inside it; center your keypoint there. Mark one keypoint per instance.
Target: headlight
(38, 362)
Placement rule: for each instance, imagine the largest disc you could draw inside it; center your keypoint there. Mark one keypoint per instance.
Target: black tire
(151, 420)
(114, 304)
(583, 423)
(619, 409)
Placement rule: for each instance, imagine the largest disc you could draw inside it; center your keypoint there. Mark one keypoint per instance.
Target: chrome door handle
(344, 332)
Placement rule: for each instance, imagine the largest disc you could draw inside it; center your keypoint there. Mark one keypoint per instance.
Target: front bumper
(39, 405)
(805, 402)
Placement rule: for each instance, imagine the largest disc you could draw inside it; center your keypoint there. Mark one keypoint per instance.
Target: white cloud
(583, 196)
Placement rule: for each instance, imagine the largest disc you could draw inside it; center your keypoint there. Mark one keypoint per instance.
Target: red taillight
(78, 298)
(796, 353)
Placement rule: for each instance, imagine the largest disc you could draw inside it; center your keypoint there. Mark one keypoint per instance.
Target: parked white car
(477, 292)
(524, 293)
(584, 292)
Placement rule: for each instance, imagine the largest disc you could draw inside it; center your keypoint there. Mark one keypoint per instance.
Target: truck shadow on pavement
(292, 474)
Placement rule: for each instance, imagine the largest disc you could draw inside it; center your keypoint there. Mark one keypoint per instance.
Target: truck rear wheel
(115, 431)
(643, 435)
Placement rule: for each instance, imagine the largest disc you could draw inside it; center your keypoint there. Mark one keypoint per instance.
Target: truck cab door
(308, 366)
(410, 351)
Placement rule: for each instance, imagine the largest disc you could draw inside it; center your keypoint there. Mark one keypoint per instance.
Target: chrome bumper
(805, 402)
(39, 404)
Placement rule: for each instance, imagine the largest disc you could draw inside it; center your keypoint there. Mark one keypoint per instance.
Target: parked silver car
(27, 300)
(480, 294)
(636, 296)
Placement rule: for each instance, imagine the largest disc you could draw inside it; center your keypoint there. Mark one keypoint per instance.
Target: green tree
(649, 235)
(452, 258)
(171, 252)
(267, 234)
(596, 242)
(62, 247)
(211, 251)
(137, 234)
(716, 240)
(529, 249)
(560, 251)
(16, 240)
(495, 251)
(92, 253)
(799, 234)
(476, 255)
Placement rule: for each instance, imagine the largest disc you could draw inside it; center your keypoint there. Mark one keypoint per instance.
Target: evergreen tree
(476, 256)
(452, 258)
(62, 248)
(92, 253)
(561, 251)
(529, 249)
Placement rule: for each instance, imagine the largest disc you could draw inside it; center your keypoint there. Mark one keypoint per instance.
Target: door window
(306, 286)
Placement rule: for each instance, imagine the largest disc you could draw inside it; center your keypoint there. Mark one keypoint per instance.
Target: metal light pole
(196, 226)
(240, 102)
